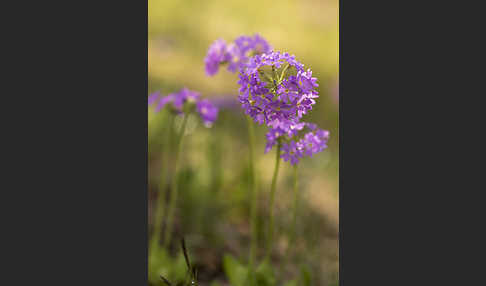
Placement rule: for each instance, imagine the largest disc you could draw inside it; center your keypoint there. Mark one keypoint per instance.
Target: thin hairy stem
(160, 204)
(253, 201)
(293, 232)
(174, 185)
(272, 203)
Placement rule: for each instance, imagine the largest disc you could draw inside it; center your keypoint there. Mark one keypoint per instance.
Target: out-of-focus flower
(163, 101)
(235, 54)
(216, 55)
(260, 45)
(234, 58)
(185, 97)
(207, 111)
(152, 98)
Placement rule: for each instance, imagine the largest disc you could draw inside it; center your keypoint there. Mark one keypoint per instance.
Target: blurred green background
(213, 207)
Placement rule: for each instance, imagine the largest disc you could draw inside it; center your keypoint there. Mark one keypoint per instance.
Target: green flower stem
(272, 203)
(295, 207)
(174, 185)
(253, 202)
(160, 205)
(292, 234)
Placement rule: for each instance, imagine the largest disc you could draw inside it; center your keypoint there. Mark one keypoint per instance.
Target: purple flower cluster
(275, 87)
(294, 146)
(207, 111)
(284, 129)
(236, 54)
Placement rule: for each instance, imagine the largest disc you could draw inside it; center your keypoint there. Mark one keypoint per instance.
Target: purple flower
(183, 96)
(244, 48)
(153, 97)
(207, 111)
(186, 101)
(272, 137)
(306, 82)
(216, 55)
(291, 151)
(235, 54)
(163, 101)
(260, 45)
(285, 129)
(274, 87)
(294, 144)
(244, 43)
(234, 57)
(315, 142)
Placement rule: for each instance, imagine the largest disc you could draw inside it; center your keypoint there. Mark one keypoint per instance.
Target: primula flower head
(186, 100)
(235, 54)
(183, 96)
(295, 143)
(274, 87)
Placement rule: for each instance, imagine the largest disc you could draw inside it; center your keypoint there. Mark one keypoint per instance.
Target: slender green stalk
(272, 203)
(253, 202)
(294, 213)
(160, 205)
(174, 185)
(292, 231)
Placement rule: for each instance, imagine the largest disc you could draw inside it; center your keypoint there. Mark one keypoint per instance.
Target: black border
(79, 186)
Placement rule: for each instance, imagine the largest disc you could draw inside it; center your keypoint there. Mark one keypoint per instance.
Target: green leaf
(157, 265)
(265, 275)
(235, 271)
(178, 271)
(161, 263)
